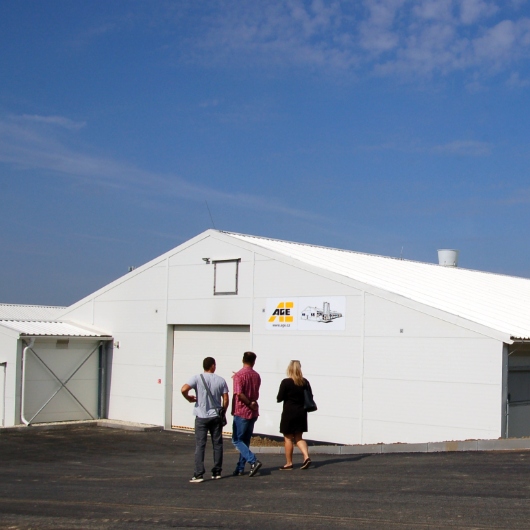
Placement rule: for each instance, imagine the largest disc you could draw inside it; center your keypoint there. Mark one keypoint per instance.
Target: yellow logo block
(283, 312)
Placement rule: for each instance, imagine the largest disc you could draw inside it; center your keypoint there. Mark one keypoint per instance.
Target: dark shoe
(237, 473)
(196, 479)
(216, 476)
(287, 468)
(254, 468)
(306, 463)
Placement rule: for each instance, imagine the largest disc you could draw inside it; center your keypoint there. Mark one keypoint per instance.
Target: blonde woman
(294, 416)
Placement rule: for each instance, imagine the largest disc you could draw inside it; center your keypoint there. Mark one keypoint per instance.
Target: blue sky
(375, 125)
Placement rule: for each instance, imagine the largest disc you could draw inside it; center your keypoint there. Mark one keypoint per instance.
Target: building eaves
(29, 312)
(50, 329)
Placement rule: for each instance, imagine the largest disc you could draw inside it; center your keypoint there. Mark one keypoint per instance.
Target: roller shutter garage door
(191, 344)
(50, 363)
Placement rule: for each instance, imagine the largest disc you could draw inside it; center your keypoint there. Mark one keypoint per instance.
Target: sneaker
(254, 468)
(237, 473)
(306, 463)
(216, 476)
(197, 478)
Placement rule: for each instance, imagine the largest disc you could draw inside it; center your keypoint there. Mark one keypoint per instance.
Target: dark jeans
(203, 426)
(242, 430)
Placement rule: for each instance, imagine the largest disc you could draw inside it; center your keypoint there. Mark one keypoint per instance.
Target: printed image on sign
(306, 313)
(322, 313)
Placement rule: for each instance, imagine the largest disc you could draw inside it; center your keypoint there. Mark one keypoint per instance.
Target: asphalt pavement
(94, 477)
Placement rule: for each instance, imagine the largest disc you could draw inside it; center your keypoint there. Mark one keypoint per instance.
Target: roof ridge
(428, 263)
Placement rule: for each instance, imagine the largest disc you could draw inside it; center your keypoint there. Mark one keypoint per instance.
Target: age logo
(283, 312)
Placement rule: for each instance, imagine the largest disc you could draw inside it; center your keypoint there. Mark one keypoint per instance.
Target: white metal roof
(493, 300)
(49, 329)
(29, 312)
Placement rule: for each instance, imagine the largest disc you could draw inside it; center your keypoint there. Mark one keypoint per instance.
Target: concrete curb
(129, 426)
(510, 444)
(111, 424)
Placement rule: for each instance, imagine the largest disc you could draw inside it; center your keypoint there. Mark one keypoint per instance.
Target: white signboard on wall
(307, 313)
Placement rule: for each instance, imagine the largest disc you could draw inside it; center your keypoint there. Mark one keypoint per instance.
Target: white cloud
(24, 146)
(434, 10)
(515, 81)
(456, 147)
(209, 103)
(293, 33)
(431, 50)
(517, 4)
(463, 148)
(59, 121)
(497, 42)
(408, 38)
(473, 10)
(376, 32)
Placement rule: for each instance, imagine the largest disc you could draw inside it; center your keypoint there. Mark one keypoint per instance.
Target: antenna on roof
(401, 255)
(211, 218)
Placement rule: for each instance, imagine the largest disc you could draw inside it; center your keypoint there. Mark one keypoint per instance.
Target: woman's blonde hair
(294, 371)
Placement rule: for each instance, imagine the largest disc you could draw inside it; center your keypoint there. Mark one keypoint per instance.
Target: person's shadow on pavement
(267, 471)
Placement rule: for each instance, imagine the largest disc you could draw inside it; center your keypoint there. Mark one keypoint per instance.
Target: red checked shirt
(247, 381)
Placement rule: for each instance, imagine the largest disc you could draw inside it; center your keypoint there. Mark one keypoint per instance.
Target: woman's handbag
(309, 402)
(220, 410)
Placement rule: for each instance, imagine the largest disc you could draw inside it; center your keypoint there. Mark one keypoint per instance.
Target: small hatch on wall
(225, 276)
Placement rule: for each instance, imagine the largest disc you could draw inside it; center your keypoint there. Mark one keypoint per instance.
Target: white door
(2, 392)
(226, 344)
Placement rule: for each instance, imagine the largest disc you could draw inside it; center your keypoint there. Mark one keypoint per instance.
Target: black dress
(294, 416)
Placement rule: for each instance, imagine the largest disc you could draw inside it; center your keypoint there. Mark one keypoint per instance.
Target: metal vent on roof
(448, 257)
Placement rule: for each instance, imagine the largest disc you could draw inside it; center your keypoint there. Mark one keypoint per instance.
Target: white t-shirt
(203, 406)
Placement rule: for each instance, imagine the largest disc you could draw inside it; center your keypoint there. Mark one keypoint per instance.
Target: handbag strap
(209, 394)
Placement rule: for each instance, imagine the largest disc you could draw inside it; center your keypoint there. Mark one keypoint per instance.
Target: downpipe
(23, 390)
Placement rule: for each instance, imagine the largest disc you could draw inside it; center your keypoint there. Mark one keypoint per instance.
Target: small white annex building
(395, 350)
(49, 370)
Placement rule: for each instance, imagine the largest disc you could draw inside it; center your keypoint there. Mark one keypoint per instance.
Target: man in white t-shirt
(207, 419)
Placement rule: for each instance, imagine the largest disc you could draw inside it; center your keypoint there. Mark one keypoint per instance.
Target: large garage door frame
(518, 409)
(62, 383)
(215, 345)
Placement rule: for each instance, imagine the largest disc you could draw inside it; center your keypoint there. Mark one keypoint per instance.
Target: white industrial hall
(395, 350)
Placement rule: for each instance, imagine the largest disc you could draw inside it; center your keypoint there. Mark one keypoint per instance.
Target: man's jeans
(203, 426)
(242, 430)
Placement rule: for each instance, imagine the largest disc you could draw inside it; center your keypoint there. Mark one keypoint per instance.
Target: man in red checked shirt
(245, 411)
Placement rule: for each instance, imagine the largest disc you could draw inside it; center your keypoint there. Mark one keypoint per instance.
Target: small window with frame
(226, 274)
